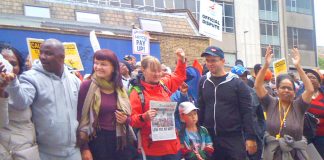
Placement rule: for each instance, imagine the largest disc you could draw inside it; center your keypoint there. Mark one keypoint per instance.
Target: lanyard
(282, 120)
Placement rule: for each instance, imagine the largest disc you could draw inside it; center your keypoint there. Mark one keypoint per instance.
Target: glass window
(126, 3)
(198, 7)
(302, 38)
(229, 22)
(288, 3)
(269, 29)
(274, 5)
(305, 39)
(263, 29)
(293, 3)
(228, 17)
(115, 2)
(87, 17)
(275, 30)
(261, 5)
(138, 2)
(228, 10)
(34, 11)
(169, 4)
(275, 50)
(149, 3)
(268, 5)
(151, 25)
(159, 3)
(229, 30)
(179, 4)
(191, 5)
(299, 6)
(263, 51)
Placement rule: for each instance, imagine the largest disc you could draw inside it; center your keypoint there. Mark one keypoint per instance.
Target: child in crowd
(196, 143)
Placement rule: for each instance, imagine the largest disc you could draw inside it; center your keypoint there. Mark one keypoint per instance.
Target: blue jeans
(166, 157)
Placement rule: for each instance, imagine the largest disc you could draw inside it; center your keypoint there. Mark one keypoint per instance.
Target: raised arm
(309, 89)
(22, 91)
(174, 80)
(261, 91)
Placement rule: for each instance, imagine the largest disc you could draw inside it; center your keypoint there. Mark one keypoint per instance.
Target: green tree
(321, 63)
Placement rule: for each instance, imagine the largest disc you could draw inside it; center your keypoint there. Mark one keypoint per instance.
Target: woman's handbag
(310, 125)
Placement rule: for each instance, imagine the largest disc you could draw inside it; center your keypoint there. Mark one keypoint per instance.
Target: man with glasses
(225, 109)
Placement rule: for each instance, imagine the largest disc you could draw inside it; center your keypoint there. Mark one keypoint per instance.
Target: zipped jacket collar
(229, 77)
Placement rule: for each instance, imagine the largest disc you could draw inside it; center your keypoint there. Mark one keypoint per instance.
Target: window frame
(85, 19)
(32, 8)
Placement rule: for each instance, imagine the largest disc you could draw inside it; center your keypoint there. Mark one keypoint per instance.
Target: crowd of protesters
(48, 113)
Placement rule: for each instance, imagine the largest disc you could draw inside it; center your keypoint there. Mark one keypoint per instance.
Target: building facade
(249, 26)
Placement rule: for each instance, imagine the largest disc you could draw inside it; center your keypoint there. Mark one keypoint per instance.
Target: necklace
(282, 119)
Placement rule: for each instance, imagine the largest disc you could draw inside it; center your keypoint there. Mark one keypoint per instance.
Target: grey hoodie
(53, 101)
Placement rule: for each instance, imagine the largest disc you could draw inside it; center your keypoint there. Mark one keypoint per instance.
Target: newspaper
(163, 125)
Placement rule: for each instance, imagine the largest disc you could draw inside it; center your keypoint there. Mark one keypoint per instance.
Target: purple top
(108, 106)
(107, 118)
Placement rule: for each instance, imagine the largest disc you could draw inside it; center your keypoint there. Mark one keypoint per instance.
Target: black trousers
(228, 147)
(103, 147)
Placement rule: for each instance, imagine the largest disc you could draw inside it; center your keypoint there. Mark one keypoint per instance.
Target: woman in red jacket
(158, 88)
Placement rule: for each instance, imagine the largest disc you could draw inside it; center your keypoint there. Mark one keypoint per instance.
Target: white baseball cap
(186, 107)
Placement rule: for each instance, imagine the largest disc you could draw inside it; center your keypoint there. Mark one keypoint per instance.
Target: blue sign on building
(122, 47)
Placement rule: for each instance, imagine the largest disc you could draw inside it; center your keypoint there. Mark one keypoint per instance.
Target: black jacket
(231, 113)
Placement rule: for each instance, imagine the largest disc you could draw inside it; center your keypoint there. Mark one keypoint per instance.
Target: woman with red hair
(103, 111)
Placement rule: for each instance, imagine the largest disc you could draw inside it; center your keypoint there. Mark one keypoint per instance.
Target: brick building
(179, 29)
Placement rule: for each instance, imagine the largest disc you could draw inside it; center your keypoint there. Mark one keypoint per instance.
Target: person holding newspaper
(157, 88)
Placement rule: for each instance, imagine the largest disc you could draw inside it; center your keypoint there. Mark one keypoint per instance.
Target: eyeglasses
(286, 87)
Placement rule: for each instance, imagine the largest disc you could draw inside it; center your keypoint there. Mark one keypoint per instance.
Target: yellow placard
(279, 67)
(72, 57)
(34, 48)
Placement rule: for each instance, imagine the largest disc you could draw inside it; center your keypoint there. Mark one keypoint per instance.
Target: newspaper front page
(163, 125)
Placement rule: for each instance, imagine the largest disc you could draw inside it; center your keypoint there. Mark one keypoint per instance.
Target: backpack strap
(140, 94)
(165, 87)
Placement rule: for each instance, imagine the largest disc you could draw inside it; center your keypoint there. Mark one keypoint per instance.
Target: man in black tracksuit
(225, 109)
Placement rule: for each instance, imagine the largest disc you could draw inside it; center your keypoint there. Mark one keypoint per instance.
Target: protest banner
(279, 67)
(34, 48)
(163, 124)
(94, 41)
(72, 56)
(211, 19)
(141, 42)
